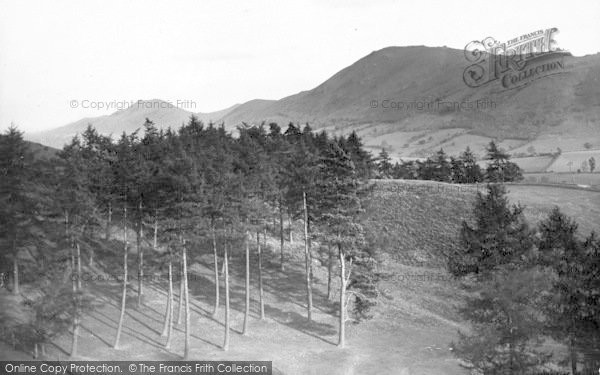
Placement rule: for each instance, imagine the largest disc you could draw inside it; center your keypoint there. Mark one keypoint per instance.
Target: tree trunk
(342, 333)
(140, 251)
(247, 310)
(226, 271)
(124, 296)
(91, 259)
(281, 241)
(329, 273)
(180, 306)
(170, 313)
(75, 305)
(307, 261)
(216, 262)
(15, 275)
(573, 356)
(155, 242)
(169, 299)
(109, 221)
(290, 229)
(260, 281)
(186, 352)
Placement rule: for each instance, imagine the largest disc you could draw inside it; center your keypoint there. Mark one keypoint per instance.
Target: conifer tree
(500, 235)
(340, 220)
(384, 165)
(17, 205)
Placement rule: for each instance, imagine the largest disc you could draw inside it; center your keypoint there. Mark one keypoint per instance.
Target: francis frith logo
(514, 63)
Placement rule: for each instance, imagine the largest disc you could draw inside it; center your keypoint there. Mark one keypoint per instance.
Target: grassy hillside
(558, 111)
(576, 160)
(42, 152)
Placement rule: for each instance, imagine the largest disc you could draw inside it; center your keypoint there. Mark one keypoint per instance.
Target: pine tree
(359, 156)
(442, 168)
(302, 201)
(17, 203)
(340, 209)
(560, 249)
(589, 313)
(384, 165)
(500, 168)
(506, 326)
(469, 170)
(500, 235)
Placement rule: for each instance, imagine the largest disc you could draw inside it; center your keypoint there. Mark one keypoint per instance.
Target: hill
(162, 113)
(408, 100)
(42, 152)
(557, 111)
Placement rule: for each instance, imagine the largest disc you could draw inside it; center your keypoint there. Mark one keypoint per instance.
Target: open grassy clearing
(589, 179)
(574, 160)
(533, 164)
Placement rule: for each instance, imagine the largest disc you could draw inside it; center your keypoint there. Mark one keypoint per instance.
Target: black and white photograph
(336, 187)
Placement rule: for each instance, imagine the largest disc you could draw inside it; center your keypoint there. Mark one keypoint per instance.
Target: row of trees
(463, 169)
(527, 285)
(196, 187)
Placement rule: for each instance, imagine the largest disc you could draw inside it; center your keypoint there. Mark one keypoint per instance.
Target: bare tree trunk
(75, 306)
(109, 221)
(247, 311)
(169, 298)
(124, 297)
(140, 251)
(260, 281)
(281, 241)
(91, 259)
(186, 352)
(307, 261)
(342, 331)
(226, 271)
(15, 275)
(216, 261)
(155, 242)
(78, 296)
(170, 322)
(180, 306)
(290, 229)
(329, 273)
(573, 356)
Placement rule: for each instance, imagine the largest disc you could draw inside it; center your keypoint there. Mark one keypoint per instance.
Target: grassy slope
(581, 205)
(413, 224)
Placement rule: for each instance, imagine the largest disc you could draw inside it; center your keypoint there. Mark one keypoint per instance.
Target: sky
(61, 60)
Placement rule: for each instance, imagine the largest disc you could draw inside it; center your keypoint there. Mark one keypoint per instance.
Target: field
(589, 179)
(575, 160)
(533, 164)
(413, 224)
(581, 205)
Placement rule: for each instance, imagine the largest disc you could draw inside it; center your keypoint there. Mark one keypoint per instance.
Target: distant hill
(128, 120)
(561, 110)
(42, 152)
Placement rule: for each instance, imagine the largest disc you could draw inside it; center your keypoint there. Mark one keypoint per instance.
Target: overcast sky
(218, 53)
